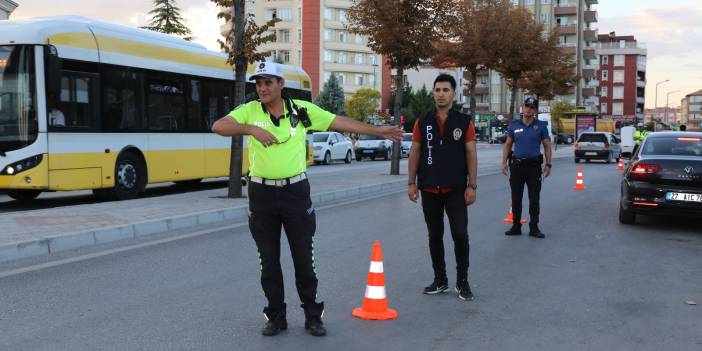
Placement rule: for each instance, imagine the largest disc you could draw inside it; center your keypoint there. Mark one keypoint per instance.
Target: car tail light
(606, 147)
(697, 140)
(645, 168)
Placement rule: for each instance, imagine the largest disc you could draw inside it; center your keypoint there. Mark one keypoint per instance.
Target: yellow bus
(86, 104)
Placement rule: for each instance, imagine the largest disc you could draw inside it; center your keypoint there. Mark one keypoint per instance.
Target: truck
(627, 140)
(566, 129)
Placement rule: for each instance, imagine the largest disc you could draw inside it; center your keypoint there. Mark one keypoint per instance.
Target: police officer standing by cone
(443, 166)
(525, 164)
(279, 192)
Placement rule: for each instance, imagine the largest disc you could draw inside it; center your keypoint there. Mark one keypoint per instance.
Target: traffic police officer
(527, 136)
(279, 192)
(639, 136)
(443, 164)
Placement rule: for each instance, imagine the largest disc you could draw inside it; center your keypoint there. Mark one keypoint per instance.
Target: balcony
(482, 90)
(591, 2)
(565, 10)
(640, 83)
(589, 72)
(587, 92)
(641, 67)
(591, 34)
(590, 16)
(589, 53)
(567, 29)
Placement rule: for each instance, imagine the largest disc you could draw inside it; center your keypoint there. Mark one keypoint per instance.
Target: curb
(50, 245)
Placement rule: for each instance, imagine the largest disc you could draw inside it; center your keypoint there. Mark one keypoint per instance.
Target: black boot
(313, 319)
(536, 232)
(276, 323)
(515, 230)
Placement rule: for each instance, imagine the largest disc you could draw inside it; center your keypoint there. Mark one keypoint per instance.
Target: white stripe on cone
(375, 292)
(580, 174)
(579, 181)
(376, 267)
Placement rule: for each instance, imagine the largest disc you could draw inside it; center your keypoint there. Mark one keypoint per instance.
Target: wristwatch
(549, 165)
(473, 186)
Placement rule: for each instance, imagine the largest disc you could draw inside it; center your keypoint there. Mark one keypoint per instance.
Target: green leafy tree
(241, 44)
(331, 98)
(166, 19)
(362, 104)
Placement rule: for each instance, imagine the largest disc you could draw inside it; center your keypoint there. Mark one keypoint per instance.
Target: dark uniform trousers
(433, 206)
(272, 209)
(528, 173)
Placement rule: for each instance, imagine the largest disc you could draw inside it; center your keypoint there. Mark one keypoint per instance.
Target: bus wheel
(130, 177)
(23, 195)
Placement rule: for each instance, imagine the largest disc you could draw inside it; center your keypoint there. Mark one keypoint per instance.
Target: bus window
(77, 107)
(194, 120)
(166, 103)
(123, 101)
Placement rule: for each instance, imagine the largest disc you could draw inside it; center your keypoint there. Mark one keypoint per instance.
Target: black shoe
(463, 290)
(514, 231)
(535, 232)
(437, 287)
(315, 327)
(274, 326)
(276, 323)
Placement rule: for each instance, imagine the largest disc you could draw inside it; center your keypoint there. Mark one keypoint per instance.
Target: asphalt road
(592, 284)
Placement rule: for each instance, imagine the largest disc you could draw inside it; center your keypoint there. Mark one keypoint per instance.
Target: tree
(402, 31)
(362, 104)
(517, 51)
(241, 45)
(473, 31)
(166, 19)
(556, 76)
(331, 98)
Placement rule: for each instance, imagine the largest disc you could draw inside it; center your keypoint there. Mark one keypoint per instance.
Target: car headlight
(317, 148)
(22, 165)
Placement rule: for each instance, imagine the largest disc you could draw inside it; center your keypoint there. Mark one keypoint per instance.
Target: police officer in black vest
(443, 166)
(525, 165)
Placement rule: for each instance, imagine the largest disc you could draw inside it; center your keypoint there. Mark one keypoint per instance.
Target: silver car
(597, 146)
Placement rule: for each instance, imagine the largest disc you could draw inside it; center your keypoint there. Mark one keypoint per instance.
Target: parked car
(372, 146)
(406, 144)
(330, 146)
(664, 177)
(597, 146)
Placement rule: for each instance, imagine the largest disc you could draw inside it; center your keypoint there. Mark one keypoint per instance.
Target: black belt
(527, 161)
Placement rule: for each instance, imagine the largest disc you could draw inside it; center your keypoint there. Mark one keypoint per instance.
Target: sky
(670, 29)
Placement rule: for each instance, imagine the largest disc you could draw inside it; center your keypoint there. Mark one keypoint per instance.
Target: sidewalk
(46, 231)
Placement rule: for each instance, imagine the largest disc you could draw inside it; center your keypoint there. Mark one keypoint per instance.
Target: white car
(372, 146)
(406, 144)
(329, 146)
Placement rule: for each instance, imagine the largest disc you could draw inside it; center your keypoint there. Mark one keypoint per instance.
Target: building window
(299, 36)
(284, 36)
(373, 60)
(270, 14)
(371, 80)
(343, 57)
(342, 78)
(343, 36)
(359, 39)
(604, 91)
(496, 80)
(328, 35)
(619, 60)
(328, 57)
(545, 2)
(545, 17)
(285, 56)
(358, 59)
(605, 75)
(359, 79)
(529, 2)
(285, 14)
(483, 80)
(495, 97)
(618, 76)
(605, 60)
(618, 109)
(327, 75)
(603, 108)
(618, 93)
(697, 98)
(328, 14)
(342, 15)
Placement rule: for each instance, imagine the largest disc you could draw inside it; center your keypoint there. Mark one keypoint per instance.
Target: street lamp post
(667, 95)
(375, 78)
(655, 108)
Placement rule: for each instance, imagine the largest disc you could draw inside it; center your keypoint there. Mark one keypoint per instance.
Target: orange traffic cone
(510, 217)
(375, 303)
(579, 184)
(620, 165)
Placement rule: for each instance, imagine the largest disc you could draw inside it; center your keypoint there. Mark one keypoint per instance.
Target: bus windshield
(18, 118)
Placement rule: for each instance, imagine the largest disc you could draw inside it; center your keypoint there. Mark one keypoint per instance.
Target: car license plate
(684, 197)
(367, 151)
(590, 154)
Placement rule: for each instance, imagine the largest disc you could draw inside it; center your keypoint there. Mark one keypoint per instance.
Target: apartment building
(6, 8)
(622, 77)
(311, 34)
(691, 110)
(572, 20)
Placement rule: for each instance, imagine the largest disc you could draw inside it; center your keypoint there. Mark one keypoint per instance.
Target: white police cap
(267, 70)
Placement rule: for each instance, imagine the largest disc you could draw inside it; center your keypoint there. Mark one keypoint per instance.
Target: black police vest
(443, 160)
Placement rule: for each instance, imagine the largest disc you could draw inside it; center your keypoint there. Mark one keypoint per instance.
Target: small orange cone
(510, 217)
(579, 184)
(375, 302)
(620, 165)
